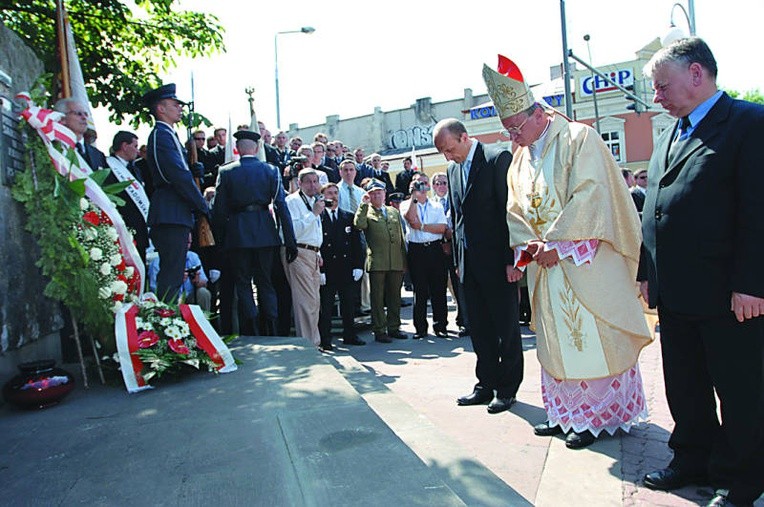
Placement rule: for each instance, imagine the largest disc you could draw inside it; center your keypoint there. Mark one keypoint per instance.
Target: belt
(426, 243)
(252, 207)
(308, 247)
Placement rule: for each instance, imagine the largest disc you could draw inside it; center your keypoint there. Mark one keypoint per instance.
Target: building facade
(629, 134)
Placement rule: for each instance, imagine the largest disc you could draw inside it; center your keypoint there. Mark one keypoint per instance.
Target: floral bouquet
(155, 338)
(99, 239)
(165, 341)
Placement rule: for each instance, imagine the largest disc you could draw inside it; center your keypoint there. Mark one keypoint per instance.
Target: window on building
(613, 142)
(611, 130)
(661, 122)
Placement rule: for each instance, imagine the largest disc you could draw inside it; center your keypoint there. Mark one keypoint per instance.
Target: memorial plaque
(11, 148)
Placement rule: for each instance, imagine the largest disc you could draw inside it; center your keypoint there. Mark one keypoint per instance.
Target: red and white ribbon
(46, 123)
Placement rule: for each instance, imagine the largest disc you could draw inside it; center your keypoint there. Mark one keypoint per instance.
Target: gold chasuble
(589, 322)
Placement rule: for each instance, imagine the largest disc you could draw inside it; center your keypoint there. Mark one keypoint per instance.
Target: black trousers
(254, 264)
(283, 299)
(347, 293)
(495, 331)
(171, 243)
(427, 266)
(706, 355)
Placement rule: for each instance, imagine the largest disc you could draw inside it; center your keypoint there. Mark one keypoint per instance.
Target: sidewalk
(371, 425)
(430, 374)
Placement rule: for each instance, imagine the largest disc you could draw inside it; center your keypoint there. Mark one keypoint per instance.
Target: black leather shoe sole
(499, 405)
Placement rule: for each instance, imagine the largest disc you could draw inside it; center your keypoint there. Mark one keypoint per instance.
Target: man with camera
(305, 207)
(427, 265)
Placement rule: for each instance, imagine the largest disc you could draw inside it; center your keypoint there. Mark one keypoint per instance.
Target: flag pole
(63, 58)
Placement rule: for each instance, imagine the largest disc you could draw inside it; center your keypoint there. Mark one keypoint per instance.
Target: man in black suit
(638, 191)
(701, 266)
(76, 118)
(124, 151)
(342, 267)
(248, 232)
(381, 174)
(403, 178)
(478, 196)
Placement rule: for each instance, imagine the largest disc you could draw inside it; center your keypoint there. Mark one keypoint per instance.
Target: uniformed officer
(248, 231)
(342, 267)
(176, 198)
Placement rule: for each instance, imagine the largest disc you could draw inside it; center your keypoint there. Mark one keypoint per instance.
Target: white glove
(357, 274)
(323, 278)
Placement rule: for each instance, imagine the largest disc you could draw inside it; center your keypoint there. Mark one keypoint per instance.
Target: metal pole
(691, 17)
(276, 54)
(610, 81)
(565, 63)
(594, 89)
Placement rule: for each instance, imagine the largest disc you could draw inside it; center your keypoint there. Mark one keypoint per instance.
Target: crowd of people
(307, 225)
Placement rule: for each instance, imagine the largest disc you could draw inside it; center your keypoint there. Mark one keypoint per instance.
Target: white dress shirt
(345, 197)
(430, 212)
(307, 226)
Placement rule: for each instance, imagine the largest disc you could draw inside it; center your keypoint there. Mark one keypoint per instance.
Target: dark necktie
(680, 136)
(334, 216)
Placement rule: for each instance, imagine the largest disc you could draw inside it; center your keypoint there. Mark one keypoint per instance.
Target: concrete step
(460, 471)
(285, 429)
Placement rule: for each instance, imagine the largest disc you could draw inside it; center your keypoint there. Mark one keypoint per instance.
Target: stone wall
(29, 322)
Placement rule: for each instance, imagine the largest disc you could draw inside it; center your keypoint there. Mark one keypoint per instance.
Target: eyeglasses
(440, 183)
(199, 139)
(515, 131)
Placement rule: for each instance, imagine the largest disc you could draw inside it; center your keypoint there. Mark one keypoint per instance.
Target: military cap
(396, 197)
(167, 91)
(375, 184)
(246, 134)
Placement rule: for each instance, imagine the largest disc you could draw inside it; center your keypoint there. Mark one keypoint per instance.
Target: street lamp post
(565, 62)
(594, 88)
(674, 33)
(304, 29)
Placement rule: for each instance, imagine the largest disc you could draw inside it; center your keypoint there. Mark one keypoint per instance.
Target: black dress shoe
(353, 341)
(441, 333)
(382, 338)
(326, 348)
(419, 336)
(669, 478)
(464, 331)
(579, 440)
(500, 404)
(398, 335)
(477, 397)
(545, 429)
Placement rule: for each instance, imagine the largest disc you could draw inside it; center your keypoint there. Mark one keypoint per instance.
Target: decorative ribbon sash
(135, 190)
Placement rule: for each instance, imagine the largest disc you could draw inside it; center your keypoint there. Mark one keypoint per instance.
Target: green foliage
(121, 52)
(754, 96)
(53, 213)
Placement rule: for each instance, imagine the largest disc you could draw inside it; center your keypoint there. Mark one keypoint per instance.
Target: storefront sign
(624, 77)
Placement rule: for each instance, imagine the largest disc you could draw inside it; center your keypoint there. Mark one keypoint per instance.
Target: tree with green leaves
(121, 47)
(754, 96)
